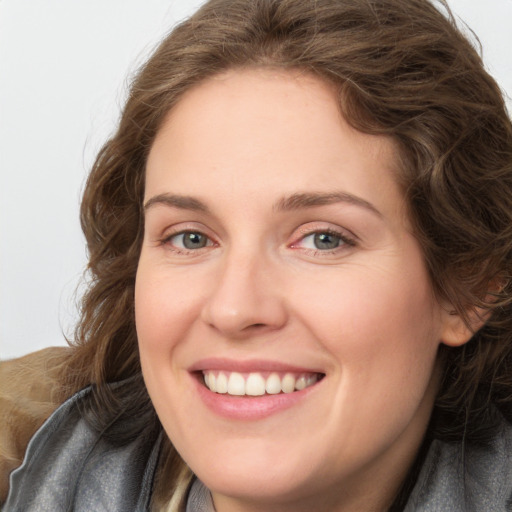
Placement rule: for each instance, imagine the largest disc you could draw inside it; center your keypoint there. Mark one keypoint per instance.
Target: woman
(300, 248)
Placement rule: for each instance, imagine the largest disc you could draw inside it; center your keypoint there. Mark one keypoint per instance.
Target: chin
(262, 472)
(258, 484)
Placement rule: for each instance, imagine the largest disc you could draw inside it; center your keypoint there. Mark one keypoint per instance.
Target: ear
(457, 330)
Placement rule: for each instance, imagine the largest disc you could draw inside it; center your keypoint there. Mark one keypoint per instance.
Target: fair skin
(277, 247)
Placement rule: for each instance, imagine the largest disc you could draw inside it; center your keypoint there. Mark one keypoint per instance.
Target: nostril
(256, 327)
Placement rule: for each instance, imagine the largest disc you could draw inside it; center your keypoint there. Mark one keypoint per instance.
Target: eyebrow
(177, 201)
(314, 199)
(289, 203)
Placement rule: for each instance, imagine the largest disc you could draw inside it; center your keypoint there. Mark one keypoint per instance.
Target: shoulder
(467, 478)
(30, 387)
(71, 464)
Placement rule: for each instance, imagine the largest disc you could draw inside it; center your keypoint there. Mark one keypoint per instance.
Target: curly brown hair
(402, 69)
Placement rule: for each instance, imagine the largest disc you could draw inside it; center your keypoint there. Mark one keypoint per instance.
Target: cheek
(383, 336)
(380, 303)
(164, 314)
(165, 307)
(368, 304)
(381, 328)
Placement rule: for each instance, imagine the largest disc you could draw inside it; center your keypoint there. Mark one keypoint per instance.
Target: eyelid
(346, 236)
(186, 227)
(187, 231)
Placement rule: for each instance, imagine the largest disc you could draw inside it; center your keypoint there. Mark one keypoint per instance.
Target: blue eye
(323, 241)
(189, 240)
(326, 241)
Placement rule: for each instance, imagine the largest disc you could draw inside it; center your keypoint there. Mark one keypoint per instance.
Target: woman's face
(278, 263)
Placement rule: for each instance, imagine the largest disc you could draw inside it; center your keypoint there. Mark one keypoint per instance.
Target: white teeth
(236, 384)
(221, 383)
(288, 383)
(300, 383)
(254, 384)
(273, 384)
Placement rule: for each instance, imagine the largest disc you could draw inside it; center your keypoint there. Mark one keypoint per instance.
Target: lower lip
(250, 408)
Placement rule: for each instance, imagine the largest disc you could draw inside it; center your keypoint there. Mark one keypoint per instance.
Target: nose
(246, 298)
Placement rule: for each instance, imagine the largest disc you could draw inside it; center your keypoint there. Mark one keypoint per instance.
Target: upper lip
(248, 366)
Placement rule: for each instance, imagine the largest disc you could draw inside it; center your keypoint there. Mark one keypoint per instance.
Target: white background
(63, 69)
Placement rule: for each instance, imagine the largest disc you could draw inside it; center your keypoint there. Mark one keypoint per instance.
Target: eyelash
(179, 250)
(344, 241)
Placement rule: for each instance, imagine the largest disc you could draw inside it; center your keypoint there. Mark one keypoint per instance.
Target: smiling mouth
(258, 383)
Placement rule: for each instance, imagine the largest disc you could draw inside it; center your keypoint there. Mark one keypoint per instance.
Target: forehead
(266, 130)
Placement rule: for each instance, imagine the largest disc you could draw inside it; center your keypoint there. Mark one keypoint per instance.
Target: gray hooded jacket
(69, 467)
